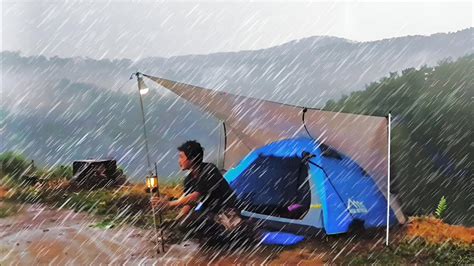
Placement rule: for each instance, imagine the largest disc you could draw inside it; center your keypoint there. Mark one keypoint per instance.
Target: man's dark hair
(193, 151)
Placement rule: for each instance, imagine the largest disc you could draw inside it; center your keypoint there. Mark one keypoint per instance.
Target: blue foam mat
(281, 238)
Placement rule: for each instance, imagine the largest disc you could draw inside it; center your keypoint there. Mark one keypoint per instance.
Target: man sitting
(208, 204)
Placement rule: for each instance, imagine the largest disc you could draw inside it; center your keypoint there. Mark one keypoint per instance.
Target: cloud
(117, 29)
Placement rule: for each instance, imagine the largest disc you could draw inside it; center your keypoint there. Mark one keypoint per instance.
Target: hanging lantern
(152, 183)
(142, 86)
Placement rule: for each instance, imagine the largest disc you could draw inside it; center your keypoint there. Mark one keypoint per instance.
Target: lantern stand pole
(160, 216)
(150, 171)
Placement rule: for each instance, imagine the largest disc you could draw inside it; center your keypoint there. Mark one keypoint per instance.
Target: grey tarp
(252, 123)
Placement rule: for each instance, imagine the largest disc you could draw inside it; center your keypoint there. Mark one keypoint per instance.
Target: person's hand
(160, 203)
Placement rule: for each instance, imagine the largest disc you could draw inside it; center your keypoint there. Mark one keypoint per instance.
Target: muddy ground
(40, 235)
(37, 234)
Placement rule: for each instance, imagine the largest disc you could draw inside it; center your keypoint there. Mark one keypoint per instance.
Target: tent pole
(388, 177)
(218, 163)
(225, 144)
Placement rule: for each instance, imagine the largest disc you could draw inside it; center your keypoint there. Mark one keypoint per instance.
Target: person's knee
(186, 209)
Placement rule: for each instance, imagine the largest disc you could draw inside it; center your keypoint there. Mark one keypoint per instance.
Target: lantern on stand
(151, 179)
(151, 184)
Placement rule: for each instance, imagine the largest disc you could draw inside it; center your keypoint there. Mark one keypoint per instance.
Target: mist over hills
(306, 72)
(60, 109)
(310, 71)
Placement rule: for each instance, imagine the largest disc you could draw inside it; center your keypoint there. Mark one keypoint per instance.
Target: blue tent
(344, 181)
(303, 182)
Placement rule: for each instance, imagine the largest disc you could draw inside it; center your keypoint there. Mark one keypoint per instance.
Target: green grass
(7, 210)
(416, 251)
(121, 207)
(105, 224)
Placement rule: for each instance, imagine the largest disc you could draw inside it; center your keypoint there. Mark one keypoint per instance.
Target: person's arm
(163, 203)
(185, 200)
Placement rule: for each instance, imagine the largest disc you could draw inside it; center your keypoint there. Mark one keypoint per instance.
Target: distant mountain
(71, 121)
(307, 72)
(310, 71)
(59, 109)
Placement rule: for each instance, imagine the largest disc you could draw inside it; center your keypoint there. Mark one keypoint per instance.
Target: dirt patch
(301, 257)
(437, 232)
(3, 192)
(40, 234)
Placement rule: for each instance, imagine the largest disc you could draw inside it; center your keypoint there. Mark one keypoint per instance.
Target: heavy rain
(208, 132)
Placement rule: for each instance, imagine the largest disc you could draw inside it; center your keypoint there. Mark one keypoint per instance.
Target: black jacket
(216, 194)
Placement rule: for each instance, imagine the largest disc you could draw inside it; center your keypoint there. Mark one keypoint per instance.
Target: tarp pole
(388, 177)
(220, 161)
(150, 167)
(225, 144)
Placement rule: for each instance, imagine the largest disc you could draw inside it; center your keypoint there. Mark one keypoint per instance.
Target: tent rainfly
(330, 181)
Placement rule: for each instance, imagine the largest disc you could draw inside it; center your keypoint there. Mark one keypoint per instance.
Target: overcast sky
(137, 29)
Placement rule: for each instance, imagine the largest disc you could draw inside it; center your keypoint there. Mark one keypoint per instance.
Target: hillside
(306, 72)
(310, 71)
(432, 133)
(56, 110)
(73, 121)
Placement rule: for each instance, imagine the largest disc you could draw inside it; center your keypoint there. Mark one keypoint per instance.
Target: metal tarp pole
(388, 178)
(150, 171)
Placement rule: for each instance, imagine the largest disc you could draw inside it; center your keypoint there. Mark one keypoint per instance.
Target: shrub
(61, 172)
(13, 164)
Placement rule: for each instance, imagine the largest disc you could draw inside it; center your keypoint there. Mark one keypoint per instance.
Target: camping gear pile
(95, 174)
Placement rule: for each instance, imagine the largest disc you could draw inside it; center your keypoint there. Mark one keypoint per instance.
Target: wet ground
(39, 235)
(36, 234)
